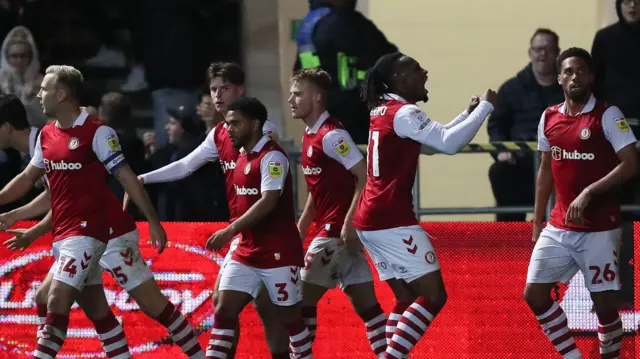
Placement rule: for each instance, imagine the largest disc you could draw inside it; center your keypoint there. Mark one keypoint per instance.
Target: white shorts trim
(328, 263)
(559, 254)
(282, 283)
(403, 253)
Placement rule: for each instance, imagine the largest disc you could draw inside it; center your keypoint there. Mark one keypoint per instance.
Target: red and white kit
(384, 218)
(583, 150)
(122, 256)
(271, 252)
(75, 160)
(216, 147)
(328, 155)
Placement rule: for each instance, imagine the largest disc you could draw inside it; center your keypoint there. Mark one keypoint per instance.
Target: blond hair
(317, 77)
(69, 77)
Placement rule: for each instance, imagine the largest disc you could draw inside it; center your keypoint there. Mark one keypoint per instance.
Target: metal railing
(492, 147)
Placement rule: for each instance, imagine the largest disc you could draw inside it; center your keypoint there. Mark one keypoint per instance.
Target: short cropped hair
(69, 77)
(229, 71)
(575, 52)
(12, 111)
(548, 32)
(317, 77)
(250, 107)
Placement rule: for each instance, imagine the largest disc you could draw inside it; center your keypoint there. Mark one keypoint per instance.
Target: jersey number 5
(372, 153)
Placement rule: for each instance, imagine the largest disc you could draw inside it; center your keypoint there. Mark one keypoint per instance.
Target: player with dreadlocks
(384, 219)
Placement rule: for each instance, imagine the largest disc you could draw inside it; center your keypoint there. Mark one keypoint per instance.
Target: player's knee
(535, 298)
(58, 302)
(215, 297)
(42, 295)
(438, 300)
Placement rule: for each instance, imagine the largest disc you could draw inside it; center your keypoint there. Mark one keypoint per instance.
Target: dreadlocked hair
(376, 82)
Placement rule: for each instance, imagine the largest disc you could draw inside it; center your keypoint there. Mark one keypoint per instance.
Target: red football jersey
(75, 161)
(328, 154)
(274, 241)
(392, 161)
(583, 150)
(121, 222)
(227, 155)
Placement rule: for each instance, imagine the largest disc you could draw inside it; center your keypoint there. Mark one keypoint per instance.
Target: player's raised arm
(544, 181)
(412, 122)
(184, 167)
(21, 184)
(107, 148)
(37, 207)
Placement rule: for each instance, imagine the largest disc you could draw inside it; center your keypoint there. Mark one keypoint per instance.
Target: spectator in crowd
(20, 72)
(207, 112)
(616, 54)
(174, 57)
(522, 100)
(340, 40)
(115, 110)
(192, 198)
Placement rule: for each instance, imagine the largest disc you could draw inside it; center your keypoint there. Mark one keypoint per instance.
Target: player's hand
(490, 96)
(158, 236)
(575, 212)
(475, 100)
(127, 199)
(6, 221)
(349, 238)
(23, 239)
(537, 229)
(219, 239)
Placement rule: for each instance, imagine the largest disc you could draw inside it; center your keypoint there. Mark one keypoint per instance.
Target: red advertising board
(484, 266)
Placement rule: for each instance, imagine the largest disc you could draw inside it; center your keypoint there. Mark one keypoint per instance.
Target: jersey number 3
(372, 153)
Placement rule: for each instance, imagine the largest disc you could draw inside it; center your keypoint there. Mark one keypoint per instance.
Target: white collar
(263, 141)
(392, 96)
(80, 120)
(591, 104)
(316, 126)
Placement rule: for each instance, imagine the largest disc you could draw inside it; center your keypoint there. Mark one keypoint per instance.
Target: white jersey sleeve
(274, 168)
(37, 160)
(411, 122)
(543, 141)
(184, 167)
(107, 148)
(616, 129)
(338, 145)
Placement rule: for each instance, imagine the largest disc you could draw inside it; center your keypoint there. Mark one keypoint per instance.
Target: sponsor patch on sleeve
(420, 118)
(622, 124)
(342, 147)
(275, 169)
(112, 140)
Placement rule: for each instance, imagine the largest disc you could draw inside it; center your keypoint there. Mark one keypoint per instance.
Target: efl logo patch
(622, 124)
(275, 169)
(112, 140)
(342, 147)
